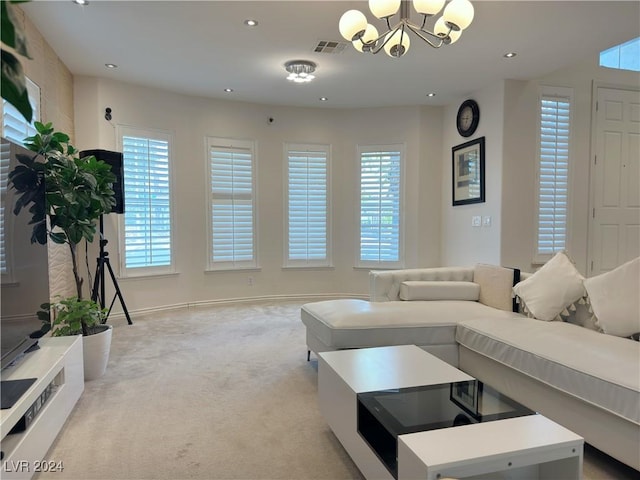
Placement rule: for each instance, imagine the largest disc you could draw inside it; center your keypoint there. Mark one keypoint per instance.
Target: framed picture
(467, 162)
(465, 395)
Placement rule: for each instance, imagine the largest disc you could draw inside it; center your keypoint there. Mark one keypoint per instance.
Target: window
(380, 198)
(16, 129)
(232, 242)
(307, 208)
(146, 224)
(625, 56)
(553, 171)
(5, 155)
(14, 125)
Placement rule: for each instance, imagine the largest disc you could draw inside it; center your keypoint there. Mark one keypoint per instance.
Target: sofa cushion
(550, 290)
(437, 290)
(351, 323)
(496, 285)
(600, 369)
(615, 299)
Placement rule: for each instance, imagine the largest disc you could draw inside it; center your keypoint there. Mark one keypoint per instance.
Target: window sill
(143, 276)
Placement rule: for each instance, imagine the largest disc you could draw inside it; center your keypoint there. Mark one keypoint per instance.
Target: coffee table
(374, 401)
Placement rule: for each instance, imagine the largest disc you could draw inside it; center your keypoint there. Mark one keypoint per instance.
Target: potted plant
(66, 195)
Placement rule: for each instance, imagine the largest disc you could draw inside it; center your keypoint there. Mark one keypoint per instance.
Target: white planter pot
(96, 353)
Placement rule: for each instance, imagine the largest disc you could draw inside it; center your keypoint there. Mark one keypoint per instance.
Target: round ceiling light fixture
(300, 71)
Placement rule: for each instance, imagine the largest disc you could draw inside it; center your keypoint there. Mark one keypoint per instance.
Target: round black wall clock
(468, 118)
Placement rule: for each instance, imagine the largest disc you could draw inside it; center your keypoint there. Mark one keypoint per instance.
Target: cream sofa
(584, 379)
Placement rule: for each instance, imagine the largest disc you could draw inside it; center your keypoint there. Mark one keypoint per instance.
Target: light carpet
(220, 392)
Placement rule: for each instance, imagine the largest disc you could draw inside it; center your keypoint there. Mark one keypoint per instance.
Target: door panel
(614, 228)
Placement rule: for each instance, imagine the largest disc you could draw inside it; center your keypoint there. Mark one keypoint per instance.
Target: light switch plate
(476, 221)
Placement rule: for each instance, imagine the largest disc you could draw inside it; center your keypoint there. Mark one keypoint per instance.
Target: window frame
(399, 263)
(148, 271)
(327, 262)
(560, 93)
(231, 143)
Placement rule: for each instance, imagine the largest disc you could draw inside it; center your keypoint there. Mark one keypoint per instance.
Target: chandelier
(395, 41)
(300, 71)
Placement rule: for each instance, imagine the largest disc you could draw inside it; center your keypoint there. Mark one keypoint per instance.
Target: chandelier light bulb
(398, 43)
(370, 34)
(352, 24)
(458, 14)
(440, 29)
(428, 7)
(384, 8)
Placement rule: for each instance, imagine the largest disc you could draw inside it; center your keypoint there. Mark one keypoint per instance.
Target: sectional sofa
(552, 353)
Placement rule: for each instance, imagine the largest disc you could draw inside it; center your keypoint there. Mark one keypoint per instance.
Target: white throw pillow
(551, 289)
(614, 297)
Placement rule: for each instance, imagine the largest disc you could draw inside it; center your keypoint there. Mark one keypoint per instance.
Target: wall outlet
(250, 281)
(486, 221)
(475, 221)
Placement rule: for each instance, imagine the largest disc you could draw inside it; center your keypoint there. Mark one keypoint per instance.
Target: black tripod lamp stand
(98, 292)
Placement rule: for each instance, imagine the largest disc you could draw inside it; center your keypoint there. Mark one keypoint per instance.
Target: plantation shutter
(232, 205)
(553, 177)
(307, 205)
(147, 217)
(380, 206)
(14, 125)
(5, 155)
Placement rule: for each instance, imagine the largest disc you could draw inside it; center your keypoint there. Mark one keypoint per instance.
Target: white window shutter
(307, 185)
(147, 217)
(232, 211)
(553, 174)
(380, 182)
(14, 125)
(5, 155)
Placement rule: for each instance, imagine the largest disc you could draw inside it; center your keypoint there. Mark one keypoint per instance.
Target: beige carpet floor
(219, 392)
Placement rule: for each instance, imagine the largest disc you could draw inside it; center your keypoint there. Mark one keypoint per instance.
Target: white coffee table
(530, 446)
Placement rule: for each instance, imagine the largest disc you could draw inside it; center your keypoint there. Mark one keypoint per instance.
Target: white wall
(508, 120)
(463, 244)
(520, 140)
(190, 119)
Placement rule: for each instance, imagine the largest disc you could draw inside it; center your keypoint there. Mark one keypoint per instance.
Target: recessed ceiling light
(510, 55)
(111, 65)
(81, 2)
(431, 94)
(323, 99)
(228, 90)
(250, 22)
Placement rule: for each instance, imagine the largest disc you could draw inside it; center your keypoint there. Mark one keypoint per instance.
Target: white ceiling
(202, 47)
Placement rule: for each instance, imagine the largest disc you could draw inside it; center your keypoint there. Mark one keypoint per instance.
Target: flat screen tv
(24, 266)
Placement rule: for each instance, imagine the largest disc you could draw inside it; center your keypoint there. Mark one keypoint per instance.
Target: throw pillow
(495, 286)
(439, 290)
(614, 299)
(550, 290)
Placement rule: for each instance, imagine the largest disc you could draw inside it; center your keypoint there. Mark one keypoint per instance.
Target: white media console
(57, 365)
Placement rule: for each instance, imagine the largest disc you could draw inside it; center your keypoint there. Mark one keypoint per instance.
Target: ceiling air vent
(327, 46)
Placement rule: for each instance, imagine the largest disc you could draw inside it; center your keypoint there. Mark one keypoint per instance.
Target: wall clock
(468, 118)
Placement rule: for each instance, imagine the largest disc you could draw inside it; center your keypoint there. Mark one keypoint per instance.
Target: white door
(614, 220)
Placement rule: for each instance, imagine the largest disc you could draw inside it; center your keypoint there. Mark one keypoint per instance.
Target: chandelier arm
(381, 46)
(420, 33)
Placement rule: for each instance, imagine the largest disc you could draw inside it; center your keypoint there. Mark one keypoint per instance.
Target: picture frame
(465, 395)
(467, 169)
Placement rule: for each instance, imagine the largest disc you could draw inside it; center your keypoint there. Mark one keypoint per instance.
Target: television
(24, 266)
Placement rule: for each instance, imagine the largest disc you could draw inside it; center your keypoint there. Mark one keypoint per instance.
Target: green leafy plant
(14, 46)
(72, 316)
(65, 195)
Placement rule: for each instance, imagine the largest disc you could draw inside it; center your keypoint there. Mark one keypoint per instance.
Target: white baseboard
(239, 300)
